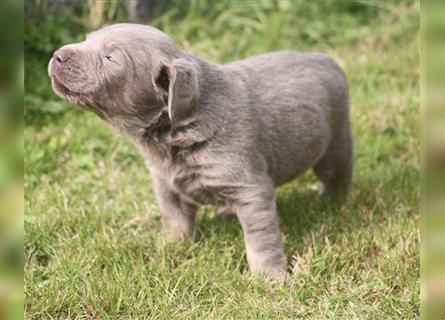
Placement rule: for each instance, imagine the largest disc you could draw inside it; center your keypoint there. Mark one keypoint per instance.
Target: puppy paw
(178, 230)
(275, 275)
(225, 213)
(333, 196)
(275, 270)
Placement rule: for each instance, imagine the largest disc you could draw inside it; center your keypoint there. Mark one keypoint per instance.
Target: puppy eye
(109, 58)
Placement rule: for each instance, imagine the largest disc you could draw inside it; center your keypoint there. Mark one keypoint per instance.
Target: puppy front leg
(177, 214)
(257, 214)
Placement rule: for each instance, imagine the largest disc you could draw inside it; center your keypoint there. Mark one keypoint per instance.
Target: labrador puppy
(225, 135)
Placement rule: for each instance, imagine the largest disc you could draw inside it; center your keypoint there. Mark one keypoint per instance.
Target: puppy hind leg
(335, 168)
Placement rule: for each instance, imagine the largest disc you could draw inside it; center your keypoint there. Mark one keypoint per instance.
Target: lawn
(93, 242)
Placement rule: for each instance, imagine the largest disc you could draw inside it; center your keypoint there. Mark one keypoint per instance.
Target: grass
(93, 245)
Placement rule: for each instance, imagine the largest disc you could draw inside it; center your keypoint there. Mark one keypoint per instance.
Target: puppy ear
(181, 80)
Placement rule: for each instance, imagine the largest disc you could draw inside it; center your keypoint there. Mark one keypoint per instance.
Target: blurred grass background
(92, 245)
(433, 169)
(11, 160)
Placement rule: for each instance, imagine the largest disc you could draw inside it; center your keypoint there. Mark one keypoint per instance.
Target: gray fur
(216, 134)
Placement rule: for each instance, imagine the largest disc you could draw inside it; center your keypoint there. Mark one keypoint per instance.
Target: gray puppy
(216, 134)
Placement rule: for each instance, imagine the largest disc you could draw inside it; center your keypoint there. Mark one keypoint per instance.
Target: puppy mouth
(58, 85)
(61, 88)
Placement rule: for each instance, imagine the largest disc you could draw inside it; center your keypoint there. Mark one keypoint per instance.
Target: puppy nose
(61, 56)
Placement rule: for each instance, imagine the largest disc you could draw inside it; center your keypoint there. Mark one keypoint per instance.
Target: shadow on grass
(306, 218)
(300, 213)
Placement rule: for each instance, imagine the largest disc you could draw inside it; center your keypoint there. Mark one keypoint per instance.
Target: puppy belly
(296, 160)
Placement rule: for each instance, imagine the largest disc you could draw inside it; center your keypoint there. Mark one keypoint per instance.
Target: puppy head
(126, 73)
